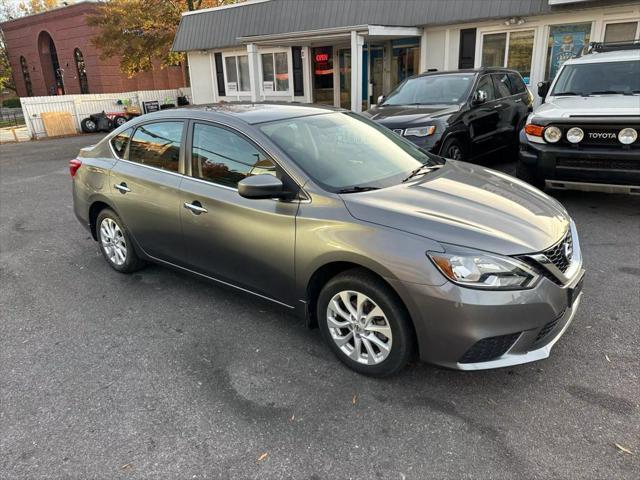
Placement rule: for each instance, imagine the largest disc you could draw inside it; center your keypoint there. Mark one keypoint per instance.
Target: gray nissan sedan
(391, 251)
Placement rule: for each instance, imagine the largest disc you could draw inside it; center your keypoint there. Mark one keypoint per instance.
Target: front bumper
(594, 166)
(469, 329)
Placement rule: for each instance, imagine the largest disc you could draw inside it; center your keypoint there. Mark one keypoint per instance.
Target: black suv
(462, 114)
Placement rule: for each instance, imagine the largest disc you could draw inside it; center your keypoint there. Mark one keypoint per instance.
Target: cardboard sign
(152, 106)
(267, 87)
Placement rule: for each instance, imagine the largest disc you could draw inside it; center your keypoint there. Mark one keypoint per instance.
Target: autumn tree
(141, 31)
(30, 7)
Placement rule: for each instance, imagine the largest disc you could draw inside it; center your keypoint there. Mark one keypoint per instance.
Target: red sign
(322, 57)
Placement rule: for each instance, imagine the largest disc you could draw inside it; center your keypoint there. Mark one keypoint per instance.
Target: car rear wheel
(115, 243)
(365, 324)
(119, 121)
(453, 149)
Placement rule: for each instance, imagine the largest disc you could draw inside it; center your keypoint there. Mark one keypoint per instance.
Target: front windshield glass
(432, 90)
(341, 151)
(599, 78)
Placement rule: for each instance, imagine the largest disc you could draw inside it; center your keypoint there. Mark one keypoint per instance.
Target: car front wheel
(365, 324)
(453, 149)
(115, 243)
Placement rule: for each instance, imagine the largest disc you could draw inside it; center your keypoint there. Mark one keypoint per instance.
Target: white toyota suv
(585, 134)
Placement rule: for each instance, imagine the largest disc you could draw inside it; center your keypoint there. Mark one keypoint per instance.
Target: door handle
(122, 187)
(196, 207)
(498, 106)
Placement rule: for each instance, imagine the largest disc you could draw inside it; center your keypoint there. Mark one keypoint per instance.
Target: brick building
(51, 53)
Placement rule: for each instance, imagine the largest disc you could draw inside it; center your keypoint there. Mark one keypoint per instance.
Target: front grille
(598, 163)
(557, 253)
(489, 348)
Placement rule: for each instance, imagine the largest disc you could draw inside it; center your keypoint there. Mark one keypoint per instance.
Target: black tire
(526, 173)
(402, 334)
(454, 149)
(119, 120)
(89, 126)
(131, 261)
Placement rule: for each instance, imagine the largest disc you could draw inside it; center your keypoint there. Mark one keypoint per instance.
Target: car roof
(251, 113)
(599, 57)
(468, 70)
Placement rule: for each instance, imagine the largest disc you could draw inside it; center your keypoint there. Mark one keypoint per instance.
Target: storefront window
(493, 47)
(405, 61)
(509, 49)
(237, 72)
(620, 32)
(565, 42)
(275, 72)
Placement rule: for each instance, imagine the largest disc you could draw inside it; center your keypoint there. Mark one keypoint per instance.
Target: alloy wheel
(90, 124)
(359, 327)
(113, 242)
(454, 152)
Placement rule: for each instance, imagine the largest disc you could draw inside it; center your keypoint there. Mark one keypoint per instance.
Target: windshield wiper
(567, 93)
(421, 170)
(357, 188)
(607, 92)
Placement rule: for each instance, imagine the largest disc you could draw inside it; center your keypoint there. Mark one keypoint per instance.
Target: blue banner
(566, 45)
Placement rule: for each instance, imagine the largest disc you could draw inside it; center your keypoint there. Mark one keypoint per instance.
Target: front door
(146, 189)
(244, 242)
(483, 119)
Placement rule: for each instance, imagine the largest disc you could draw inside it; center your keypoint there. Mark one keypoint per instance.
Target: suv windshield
(599, 78)
(343, 151)
(432, 89)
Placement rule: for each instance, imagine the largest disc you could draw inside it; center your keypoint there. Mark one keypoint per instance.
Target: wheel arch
(97, 205)
(460, 135)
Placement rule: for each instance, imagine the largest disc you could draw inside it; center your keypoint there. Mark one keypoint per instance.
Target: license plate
(575, 291)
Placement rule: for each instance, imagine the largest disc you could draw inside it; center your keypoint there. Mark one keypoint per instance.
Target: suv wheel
(365, 324)
(115, 243)
(453, 149)
(526, 173)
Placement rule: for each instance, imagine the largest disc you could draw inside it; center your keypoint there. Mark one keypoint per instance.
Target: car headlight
(575, 135)
(627, 136)
(420, 131)
(552, 134)
(484, 270)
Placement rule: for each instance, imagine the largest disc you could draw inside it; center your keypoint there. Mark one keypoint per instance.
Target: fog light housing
(552, 134)
(575, 135)
(627, 136)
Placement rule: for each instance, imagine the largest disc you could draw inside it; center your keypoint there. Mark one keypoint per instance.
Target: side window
(486, 85)
(120, 141)
(224, 157)
(517, 84)
(157, 145)
(503, 86)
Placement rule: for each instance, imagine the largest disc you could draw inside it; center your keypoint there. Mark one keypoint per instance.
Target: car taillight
(533, 130)
(74, 165)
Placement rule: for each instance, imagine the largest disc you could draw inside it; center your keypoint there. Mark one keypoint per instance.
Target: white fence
(81, 106)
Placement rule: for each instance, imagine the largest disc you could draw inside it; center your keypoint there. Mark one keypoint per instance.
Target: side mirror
(261, 186)
(543, 89)
(381, 99)
(480, 96)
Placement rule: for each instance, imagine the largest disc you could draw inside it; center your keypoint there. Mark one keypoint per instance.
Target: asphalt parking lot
(161, 375)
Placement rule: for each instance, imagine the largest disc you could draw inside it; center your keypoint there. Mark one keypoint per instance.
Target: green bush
(11, 103)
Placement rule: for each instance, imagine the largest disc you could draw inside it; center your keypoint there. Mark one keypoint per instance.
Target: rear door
(145, 187)
(506, 106)
(244, 242)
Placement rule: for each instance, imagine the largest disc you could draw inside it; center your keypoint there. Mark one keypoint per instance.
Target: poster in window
(267, 87)
(566, 45)
(232, 87)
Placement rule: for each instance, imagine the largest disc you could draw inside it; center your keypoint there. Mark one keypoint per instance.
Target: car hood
(467, 205)
(408, 115)
(603, 105)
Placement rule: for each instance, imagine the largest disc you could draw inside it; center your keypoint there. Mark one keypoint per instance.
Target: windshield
(431, 90)
(341, 151)
(599, 78)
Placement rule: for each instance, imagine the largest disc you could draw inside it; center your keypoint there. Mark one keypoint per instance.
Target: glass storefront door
(323, 75)
(344, 55)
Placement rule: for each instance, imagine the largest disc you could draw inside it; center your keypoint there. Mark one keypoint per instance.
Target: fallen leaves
(262, 457)
(354, 400)
(622, 449)
(127, 466)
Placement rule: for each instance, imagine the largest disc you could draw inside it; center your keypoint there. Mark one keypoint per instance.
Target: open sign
(322, 57)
